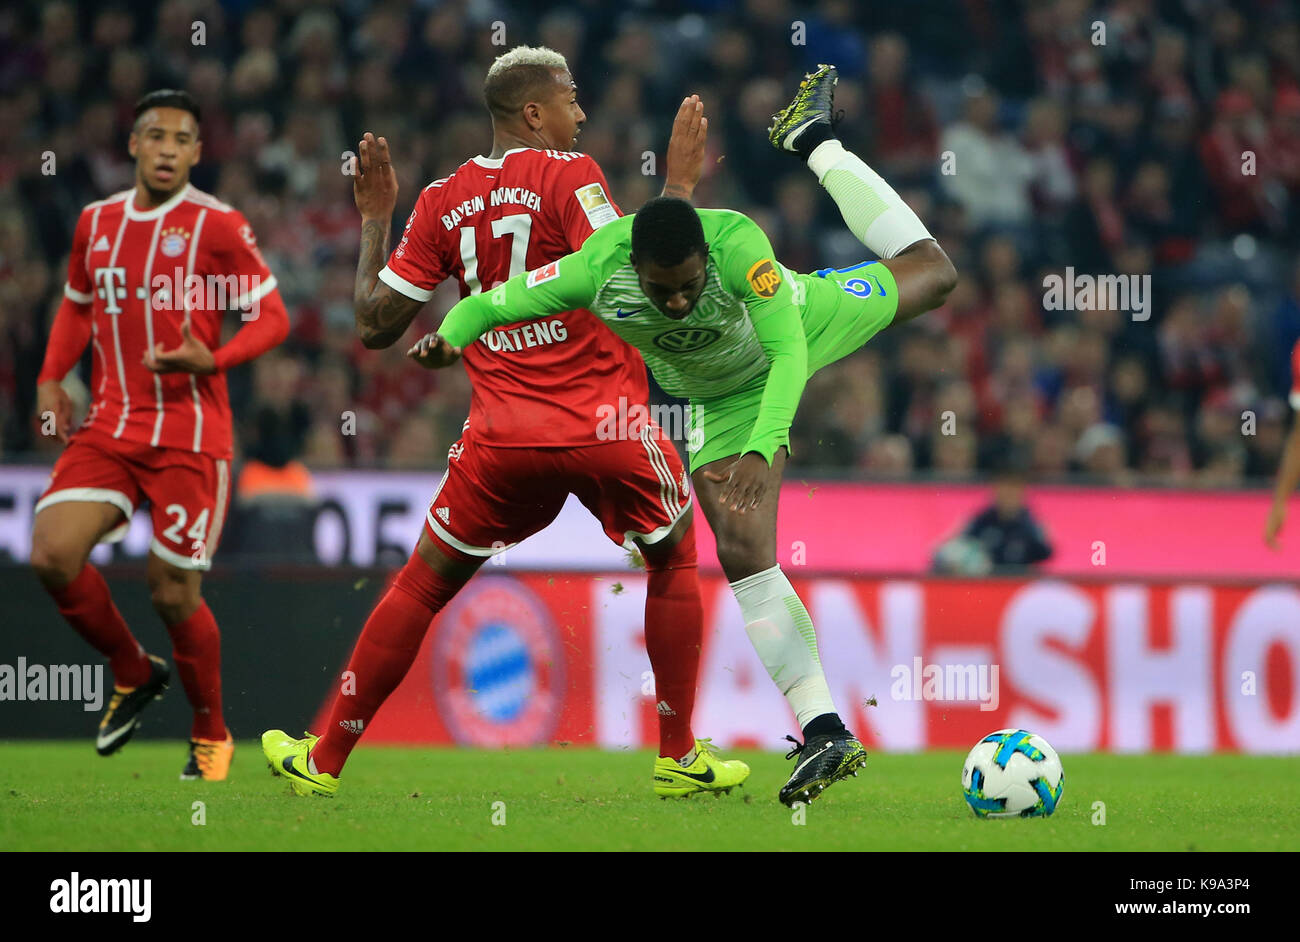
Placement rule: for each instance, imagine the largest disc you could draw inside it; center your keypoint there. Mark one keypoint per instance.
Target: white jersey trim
(96, 495)
(670, 496)
(117, 338)
(194, 386)
(148, 329)
(208, 201)
(147, 215)
(219, 510)
(258, 293)
(402, 286)
(108, 200)
(72, 294)
(450, 540)
(631, 537)
(494, 163)
(179, 560)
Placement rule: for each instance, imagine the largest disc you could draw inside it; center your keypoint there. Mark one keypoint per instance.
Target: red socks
(196, 649)
(196, 646)
(88, 607)
(382, 656)
(674, 626)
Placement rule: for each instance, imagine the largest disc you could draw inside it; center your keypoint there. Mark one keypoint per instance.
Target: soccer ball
(1012, 773)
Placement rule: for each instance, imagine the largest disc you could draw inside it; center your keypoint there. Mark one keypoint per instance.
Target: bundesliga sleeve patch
(546, 273)
(250, 240)
(595, 204)
(764, 278)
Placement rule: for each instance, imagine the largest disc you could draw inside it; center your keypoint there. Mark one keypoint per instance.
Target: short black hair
(667, 231)
(169, 98)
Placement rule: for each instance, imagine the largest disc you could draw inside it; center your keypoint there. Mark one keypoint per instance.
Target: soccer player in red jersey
(1288, 475)
(152, 273)
(533, 432)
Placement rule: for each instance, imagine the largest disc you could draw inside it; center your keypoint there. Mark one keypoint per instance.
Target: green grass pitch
(61, 796)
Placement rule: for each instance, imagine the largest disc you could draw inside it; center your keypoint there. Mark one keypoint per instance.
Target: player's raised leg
(777, 623)
(871, 208)
(64, 533)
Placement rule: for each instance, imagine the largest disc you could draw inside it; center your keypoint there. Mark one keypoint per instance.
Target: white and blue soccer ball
(1012, 773)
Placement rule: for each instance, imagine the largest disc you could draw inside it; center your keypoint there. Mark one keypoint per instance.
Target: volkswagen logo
(686, 339)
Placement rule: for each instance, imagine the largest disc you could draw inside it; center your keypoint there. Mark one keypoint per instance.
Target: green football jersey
(745, 330)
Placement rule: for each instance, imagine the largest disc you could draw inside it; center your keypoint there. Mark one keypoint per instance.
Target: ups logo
(686, 339)
(764, 278)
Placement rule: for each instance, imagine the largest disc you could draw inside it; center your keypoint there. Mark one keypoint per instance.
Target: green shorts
(842, 310)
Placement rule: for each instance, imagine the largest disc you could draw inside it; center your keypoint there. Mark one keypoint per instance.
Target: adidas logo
(353, 726)
(664, 709)
(444, 514)
(101, 245)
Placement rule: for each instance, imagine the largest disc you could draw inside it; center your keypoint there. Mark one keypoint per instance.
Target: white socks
(874, 213)
(782, 633)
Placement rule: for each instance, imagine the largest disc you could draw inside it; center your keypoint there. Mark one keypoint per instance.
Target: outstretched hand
(686, 149)
(433, 352)
(374, 186)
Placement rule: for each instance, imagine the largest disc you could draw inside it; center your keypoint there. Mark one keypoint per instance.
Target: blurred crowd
(1145, 137)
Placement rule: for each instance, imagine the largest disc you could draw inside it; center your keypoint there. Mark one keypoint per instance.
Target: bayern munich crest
(498, 665)
(173, 242)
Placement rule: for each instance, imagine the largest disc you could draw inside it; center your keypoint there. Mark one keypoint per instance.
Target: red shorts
(492, 498)
(188, 493)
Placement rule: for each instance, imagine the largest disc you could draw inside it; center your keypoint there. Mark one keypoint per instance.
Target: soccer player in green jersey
(722, 323)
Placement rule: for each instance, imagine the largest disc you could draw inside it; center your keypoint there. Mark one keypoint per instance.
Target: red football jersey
(538, 383)
(135, 268)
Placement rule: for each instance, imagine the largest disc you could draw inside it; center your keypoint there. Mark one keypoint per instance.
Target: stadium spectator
(1115, 158)
(990, 170)
(1002, 537)
(904, 131)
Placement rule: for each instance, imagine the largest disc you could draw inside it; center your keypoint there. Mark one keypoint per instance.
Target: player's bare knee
(932, 281)
(56, 562)
(741, 556)
(174, 596)
(174, 602)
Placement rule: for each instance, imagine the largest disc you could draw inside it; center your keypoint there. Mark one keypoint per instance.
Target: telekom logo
(112, 287)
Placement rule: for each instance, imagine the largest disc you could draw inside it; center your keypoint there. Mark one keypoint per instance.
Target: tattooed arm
(382, 313)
